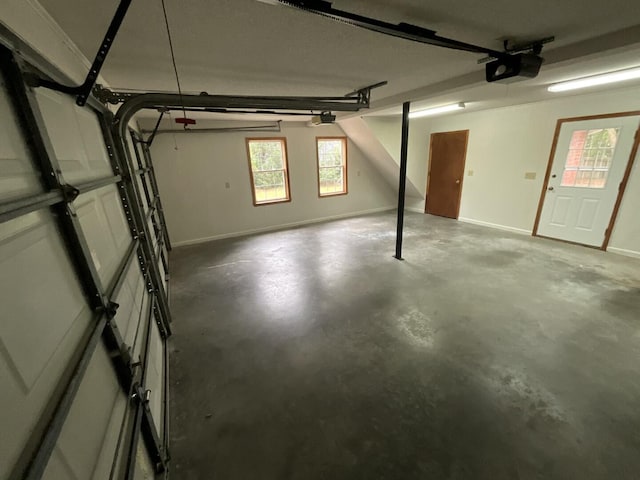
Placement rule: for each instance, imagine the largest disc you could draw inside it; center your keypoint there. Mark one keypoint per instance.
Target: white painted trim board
(625, 252)
(521, 231)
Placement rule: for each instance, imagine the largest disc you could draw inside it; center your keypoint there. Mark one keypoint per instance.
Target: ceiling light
(437, 110)
(603, 79)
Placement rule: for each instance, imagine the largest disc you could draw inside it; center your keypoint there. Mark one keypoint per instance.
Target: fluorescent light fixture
(437, 110)
(603, 79)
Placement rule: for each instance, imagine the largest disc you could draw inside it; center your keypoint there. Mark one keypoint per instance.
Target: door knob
(458, 181)
(550, 189)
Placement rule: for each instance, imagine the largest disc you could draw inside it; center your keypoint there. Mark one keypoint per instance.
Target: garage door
(84, 292)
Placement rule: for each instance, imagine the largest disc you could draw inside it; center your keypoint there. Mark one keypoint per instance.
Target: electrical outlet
(530, 175)
(358, 173)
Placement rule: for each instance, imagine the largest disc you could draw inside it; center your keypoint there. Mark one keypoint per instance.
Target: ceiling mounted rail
(400, 30)
(508, 66)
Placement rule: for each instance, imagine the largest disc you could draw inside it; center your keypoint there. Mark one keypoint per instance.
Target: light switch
(227, 185)
(470, 173)
(530, 175)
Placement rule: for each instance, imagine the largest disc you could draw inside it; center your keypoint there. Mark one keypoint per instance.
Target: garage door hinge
(69, 192)
(141, 395)
(110, 309)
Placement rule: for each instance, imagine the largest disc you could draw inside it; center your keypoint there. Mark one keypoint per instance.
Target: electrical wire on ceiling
(173, 60)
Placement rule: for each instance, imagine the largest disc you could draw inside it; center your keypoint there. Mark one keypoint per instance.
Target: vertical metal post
(403, 177)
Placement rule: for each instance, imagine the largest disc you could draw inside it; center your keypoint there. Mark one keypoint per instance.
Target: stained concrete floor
(313, 354)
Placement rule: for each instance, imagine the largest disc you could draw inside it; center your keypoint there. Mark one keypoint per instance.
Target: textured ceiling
(247, 47)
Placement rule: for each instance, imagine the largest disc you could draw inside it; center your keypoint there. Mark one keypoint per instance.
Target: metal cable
(173, 59)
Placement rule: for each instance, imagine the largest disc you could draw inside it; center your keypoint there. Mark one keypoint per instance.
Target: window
(269, 170)
(332, 165)
(589, 158)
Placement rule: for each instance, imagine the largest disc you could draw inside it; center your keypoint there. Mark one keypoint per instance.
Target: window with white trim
(332, 166)
(269, 170)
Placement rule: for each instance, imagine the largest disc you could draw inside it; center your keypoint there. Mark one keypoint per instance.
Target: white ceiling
(247, 47)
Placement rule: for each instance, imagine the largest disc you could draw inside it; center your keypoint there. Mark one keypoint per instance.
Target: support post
(403, 177)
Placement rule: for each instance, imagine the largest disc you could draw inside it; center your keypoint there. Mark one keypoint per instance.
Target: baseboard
(282, 226)
(622, 251)
(521, 231)
(414, 209)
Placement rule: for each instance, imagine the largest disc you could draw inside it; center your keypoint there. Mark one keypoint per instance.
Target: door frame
(464, 166)
(621, 188)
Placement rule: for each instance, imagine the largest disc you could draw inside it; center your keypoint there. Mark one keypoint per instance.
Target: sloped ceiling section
(385, 161)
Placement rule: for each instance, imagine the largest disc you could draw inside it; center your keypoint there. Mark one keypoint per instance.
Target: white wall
(504, 144)
(198, 207)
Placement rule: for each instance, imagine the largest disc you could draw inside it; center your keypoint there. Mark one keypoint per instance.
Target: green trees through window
(332, 165)
(269, 170)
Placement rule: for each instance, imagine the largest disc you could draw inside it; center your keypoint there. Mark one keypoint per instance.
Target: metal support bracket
(70, 193)
(149, 140)
(534, 47)
(111, 309)
(84, 90)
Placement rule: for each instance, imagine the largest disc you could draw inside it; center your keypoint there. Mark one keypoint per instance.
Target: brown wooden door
(447, 156)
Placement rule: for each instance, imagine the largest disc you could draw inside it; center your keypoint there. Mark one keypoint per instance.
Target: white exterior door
(589, 164)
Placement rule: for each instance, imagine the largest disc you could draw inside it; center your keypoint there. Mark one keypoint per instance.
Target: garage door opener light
(436, 110)
(603, 79)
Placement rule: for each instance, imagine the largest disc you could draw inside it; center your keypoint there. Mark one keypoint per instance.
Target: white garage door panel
(110, 444)
(58, 468)
(131, 312)
(87, 433)
(44, 316)
(105, 228)
(76, 137)
(17, 175)
(155, 377)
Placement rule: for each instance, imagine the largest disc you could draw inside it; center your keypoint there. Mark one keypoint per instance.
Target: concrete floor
(313, 354)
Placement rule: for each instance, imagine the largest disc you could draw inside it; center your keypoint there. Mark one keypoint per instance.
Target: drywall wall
(193, 170)
(506, 143)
